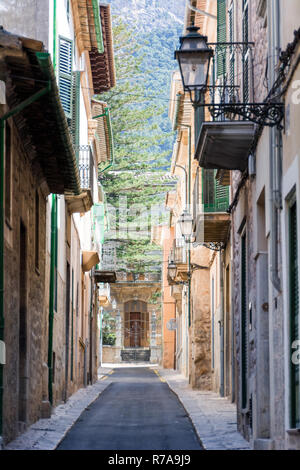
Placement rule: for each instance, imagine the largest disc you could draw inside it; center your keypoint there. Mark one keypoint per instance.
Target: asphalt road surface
(137, 411)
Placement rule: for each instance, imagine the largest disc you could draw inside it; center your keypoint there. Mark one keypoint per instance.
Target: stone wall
(23, 280)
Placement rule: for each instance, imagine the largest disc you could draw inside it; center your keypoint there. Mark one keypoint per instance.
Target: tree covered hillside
(144, 55)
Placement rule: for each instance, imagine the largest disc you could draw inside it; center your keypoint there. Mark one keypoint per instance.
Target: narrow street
(136, 411)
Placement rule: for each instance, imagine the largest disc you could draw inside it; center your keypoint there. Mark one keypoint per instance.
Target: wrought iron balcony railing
(231, 91)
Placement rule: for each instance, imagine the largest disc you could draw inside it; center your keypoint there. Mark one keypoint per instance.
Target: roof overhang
(87, 24)
(105, 276)
(42, 124)
(225, 145)
(102, 64)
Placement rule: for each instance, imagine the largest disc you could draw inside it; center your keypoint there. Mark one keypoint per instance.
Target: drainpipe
(53, 258)
(274, 143)
(53, 254)
(202, 12)
(4, 118)
(221, 324)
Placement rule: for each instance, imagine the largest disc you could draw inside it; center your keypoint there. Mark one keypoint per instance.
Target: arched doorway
(136, 324)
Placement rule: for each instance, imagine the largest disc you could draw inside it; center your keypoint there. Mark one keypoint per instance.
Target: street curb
(51, 441)
(188, 414)
(207, 445)
(75, 421)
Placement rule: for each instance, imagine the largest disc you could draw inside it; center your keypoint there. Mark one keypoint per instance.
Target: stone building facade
(259, 298)
(136, 313)
(53, 214)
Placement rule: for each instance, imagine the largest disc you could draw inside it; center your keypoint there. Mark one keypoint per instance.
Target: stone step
(135, 355)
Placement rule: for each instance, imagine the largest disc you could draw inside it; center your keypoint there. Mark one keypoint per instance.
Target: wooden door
(135, 330)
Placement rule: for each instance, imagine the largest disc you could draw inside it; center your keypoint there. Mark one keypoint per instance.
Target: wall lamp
(194, 57)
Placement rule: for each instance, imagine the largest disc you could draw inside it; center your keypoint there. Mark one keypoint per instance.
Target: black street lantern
(194, 58)
(172, 270)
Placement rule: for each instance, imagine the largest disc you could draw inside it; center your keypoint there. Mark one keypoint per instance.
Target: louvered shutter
(65, 74)
(221, 37)
(231, 39)
(244, 323)
(294, 312)
(215, 196)
(208, 190)
(221, 197)
(246, 90)
(75, 123)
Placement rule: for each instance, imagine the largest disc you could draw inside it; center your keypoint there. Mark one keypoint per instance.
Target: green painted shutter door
(208, 190)
(246, 93)
(75, 123)
(221, 197)
(221, 37)
(244, 323)
(294, 312)
(65, 74)
(231, 39)
(215, 196)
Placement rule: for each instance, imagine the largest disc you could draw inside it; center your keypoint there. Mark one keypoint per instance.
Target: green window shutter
(245, 27)
(231, 39)
(65, 53)
(244, 324)
(294, 313)
(208, 190)
(215, 196)
(221, 37)
(221, 197)
(75, 122)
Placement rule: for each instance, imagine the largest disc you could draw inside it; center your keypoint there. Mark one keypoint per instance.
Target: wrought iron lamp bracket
(264, 114)
(268, 113)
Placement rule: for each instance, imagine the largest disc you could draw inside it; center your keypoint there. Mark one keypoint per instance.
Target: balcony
(225, 145)
(225, 138)
(104, 294)
(179, 255)
(84, 201)
(107, 268)
(211, 221)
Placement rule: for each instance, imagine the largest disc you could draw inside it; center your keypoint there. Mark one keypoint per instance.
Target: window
(8, 168)
(244, 323)
(215, 196)
(246, 51)
(294, 312)
(65, 74)
(212, 323)
(75, 123)
(37, 227)
(221, 37)
(231, 39)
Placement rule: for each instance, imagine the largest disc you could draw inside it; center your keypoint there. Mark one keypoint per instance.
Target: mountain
(148, 14)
